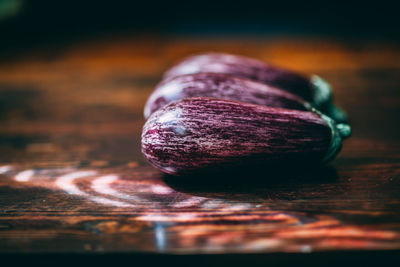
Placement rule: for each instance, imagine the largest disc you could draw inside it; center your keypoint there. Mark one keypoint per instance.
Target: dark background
(28, 24)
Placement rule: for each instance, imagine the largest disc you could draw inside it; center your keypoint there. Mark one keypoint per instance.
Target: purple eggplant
(196, 134)
(314, 90)
(223, 86)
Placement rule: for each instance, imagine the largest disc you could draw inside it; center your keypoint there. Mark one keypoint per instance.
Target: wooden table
(73, 181)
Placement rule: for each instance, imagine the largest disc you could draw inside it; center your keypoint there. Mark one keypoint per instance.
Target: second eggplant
(222, 86)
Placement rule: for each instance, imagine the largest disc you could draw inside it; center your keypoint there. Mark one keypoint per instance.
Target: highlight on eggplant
(314, 89)
(196, 134)
(223, 86)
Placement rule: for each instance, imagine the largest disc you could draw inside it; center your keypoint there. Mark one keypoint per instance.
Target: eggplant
(314, 90)
(223, 86)
(197, 134)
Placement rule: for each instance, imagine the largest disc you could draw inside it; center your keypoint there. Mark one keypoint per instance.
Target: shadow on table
(254, 180)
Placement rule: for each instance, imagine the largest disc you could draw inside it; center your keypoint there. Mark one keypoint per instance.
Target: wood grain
(73, 178)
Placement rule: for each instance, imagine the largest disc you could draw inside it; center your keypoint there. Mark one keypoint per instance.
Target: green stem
(344, 130)
(339, 131)
(323, 99)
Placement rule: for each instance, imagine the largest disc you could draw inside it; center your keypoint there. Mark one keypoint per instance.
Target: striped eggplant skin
(202, 133)
(312, 89)
(223, 86)
(245, 67)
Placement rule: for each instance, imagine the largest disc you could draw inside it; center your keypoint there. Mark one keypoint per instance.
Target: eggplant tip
(323, 99)
(344, 130)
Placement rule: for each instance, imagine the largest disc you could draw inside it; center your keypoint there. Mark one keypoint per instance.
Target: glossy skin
(223, 86)
(196, 134)
(245, 67)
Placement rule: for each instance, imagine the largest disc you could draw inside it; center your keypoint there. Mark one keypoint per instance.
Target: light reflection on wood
(224, 224)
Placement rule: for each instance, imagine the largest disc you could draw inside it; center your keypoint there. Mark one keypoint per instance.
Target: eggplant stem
(344, 130)
(323, 99)
(339, 132)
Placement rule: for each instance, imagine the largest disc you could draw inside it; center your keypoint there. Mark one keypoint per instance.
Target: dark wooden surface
(73, 178)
